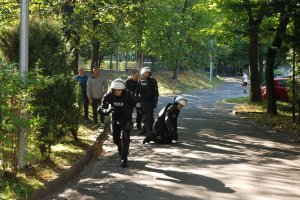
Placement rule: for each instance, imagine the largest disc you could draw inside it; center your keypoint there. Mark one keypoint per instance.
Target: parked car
(281, 91)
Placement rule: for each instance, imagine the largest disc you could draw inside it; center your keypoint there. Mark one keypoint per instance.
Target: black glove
(99, 110)
(106, 111)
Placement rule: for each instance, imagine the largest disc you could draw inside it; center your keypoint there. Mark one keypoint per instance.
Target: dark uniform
(121, 108)
(132, 86)
(148, 95)
(165, 126)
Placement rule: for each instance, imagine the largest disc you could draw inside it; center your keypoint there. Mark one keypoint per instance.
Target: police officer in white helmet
(165, 126)
(148, 95)
(120, 103)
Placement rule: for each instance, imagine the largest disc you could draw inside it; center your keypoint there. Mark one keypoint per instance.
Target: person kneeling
(165, 126)
(121, 104)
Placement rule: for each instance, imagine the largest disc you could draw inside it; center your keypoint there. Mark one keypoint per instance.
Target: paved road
(218, 156)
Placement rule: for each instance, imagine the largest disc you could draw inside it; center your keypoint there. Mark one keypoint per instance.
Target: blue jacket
(82, 82)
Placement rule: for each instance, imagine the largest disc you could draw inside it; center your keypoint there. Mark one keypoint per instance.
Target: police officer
(120, 103)
(148, 95)
(165, 126)
(132, 86)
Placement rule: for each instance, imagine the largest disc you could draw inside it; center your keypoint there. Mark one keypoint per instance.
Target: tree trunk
(261, 67)
(254, 22)
(153, 59)
(253, 61)
(270, 60)
(139, 59)
(181, 41)
(75, 54)
(95, 54)
(175, 73)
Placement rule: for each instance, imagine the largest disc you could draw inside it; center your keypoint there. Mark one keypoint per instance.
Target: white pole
(117, 61)
(24, 37)
(210, 62)
(210, 69)
(22, 147)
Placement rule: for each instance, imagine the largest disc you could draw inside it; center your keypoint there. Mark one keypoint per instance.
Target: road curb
(74, 170)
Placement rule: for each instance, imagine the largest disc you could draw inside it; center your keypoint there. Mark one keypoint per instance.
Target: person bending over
(165, 126)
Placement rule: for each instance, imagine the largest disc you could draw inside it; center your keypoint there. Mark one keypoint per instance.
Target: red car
(281, 91)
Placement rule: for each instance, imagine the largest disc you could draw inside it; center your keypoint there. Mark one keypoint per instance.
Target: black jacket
(122, 106)
(167, 120)
(148, 91)
(132, 85)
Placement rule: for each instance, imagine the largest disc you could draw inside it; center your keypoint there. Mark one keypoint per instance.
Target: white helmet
(181, 100)
(118, 84)
(145, 69)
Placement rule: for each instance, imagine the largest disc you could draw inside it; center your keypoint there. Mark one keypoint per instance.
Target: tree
(71, 29)
(255, 11)
(270, 60)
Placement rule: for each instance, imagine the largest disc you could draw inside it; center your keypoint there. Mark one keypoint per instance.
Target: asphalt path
(218, 156)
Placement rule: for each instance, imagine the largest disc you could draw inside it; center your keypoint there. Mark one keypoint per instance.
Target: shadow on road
(218, 156)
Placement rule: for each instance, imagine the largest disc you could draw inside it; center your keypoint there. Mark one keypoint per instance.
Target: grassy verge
(256, 112)
(63, 156)
(68, 151)
(187, 81)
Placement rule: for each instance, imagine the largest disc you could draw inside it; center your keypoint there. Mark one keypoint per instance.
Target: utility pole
(210, 69)
(23, 62)
(210, 62)
(24, 38)
(117, 61)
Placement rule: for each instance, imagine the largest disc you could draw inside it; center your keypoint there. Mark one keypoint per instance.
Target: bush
(56, 107)
(53, 91)
(12, 120)
(46, 46)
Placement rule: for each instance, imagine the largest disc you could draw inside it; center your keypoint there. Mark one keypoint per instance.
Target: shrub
(56, 106)
(12, 120)
(53, 91)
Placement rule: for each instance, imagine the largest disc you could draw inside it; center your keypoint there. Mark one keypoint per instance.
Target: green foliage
(12, 118)
(46, 47)
(16, 188)
(56, 109)
(9, 12)
(53, 95)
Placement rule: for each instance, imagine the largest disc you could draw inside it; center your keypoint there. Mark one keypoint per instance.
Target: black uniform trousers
(147, 116)
(95, 104)
(121, 137)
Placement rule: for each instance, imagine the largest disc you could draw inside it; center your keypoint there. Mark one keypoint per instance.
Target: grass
(257, 112)
(187, 81)
(68, 150)
(63, 156)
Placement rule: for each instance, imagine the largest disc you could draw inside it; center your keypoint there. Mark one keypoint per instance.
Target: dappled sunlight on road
(218, 156)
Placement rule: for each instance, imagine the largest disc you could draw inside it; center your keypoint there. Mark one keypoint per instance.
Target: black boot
(149, 137)
(124, 162)
(146, 140)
